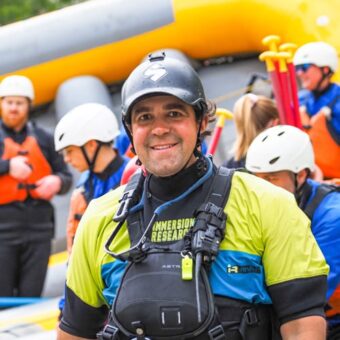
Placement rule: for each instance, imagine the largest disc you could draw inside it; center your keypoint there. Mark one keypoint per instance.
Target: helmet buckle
(157, 56)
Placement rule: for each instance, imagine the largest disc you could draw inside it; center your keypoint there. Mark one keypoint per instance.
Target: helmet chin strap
(300, 191)
(197, 152)
(91, 163)
(324, 76)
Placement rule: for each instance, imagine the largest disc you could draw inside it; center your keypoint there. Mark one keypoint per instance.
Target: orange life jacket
(334, 303)
(11, 189)
(326, 148)
(78, 206)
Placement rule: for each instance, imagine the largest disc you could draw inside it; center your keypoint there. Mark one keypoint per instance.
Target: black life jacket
(161, 296)
(321, 191)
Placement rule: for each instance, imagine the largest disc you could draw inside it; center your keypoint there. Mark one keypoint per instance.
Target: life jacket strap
(210, 224)
(217, 333)
(109, 332)
(321, 192)
(130, 196)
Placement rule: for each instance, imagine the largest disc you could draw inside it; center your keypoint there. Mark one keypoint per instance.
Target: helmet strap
(302, 194)
(323, 77)
(91, 162)
(197, 151)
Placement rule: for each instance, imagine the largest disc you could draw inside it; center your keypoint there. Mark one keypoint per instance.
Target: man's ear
(91, 144)
(204, 123)
(302, 176)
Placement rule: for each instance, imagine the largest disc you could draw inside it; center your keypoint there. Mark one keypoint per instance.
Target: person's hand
(19, 168)
(48, 186)
(304, 117)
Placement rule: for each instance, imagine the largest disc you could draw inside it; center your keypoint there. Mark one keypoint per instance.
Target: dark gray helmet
(163, 75)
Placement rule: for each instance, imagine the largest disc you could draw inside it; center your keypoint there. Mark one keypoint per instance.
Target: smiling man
(189, 250)
(31, 173)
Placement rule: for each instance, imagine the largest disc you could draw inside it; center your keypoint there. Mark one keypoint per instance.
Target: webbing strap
(220, 188)
(321, 192)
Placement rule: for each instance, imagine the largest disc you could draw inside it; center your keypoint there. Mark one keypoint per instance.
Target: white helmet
(17, 86)
(84, 123)
(317, 53)
(282, 147)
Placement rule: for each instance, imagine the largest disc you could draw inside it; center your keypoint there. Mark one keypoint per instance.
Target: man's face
(74, 156)
(164, 131)
(284, 179)
(14, 111)
(309, 75)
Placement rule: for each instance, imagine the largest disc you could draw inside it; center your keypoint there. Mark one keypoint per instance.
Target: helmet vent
(281, 133)
(274, 160)
(156, 56)
(61, 137)
(264, 138)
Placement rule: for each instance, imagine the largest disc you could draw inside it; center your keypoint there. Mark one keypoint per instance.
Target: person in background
(31, 174)
(283, 155)
(85, 136)
(189, 250)
(252, 114)
(315, 63)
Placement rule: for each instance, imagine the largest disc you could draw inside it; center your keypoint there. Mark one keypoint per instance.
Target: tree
(15, 10)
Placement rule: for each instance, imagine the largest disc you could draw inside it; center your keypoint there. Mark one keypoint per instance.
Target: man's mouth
(163, 147)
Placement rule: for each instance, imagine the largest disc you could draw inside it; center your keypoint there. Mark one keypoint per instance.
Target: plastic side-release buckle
(217, 333)
(108, 333)
(250, 317)
(27, 186)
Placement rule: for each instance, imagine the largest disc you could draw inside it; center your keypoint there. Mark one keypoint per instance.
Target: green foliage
(15, 10)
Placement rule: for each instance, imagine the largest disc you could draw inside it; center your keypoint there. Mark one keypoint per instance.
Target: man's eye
(143, 117)
(174, 114)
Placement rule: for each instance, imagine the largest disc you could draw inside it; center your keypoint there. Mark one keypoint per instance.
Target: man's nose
(160, 127)
(13, 106)
(66, 158)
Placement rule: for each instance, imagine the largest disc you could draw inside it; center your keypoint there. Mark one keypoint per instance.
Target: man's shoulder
(107, 204)
(98, 217)
(254, 196)
(328, 206)
(246, 183)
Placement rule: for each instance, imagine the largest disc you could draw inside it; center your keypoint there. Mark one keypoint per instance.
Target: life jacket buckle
(208, 230)
(217, 333)
(108, 333)
(26, 186)
(211, 208)
(250, 317)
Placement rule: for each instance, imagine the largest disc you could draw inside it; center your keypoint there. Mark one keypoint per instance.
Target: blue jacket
(326, 230)
(103, 182)
(330, 98)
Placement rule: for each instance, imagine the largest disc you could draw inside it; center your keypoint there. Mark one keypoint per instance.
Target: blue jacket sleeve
(325, 227)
